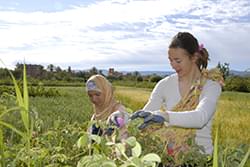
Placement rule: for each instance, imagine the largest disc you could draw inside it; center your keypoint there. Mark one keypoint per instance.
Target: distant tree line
(56, 76)
(234, 83)
(52, 74)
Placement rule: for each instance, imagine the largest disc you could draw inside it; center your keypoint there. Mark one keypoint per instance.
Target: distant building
(32, 70)
(113, 73)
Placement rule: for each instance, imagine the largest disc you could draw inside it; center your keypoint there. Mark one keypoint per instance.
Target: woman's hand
(118, 119)
(150, 117)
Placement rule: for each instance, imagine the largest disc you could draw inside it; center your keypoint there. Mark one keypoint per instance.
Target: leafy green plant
(153, 143)
(106, 151)
(57, 146)
(229, 157)
(23, 107)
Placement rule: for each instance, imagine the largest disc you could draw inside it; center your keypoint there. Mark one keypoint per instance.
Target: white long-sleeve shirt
(167, 93)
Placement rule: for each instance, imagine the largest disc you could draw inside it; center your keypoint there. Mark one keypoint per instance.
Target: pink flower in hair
(201, 46)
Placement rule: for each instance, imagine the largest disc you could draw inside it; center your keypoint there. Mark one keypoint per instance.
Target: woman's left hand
(150, 117)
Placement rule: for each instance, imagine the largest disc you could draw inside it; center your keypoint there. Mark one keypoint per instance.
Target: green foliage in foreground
(56, 142)
(56, 145)
(108, 151)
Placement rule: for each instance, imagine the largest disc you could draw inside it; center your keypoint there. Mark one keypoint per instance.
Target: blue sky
(123, 34)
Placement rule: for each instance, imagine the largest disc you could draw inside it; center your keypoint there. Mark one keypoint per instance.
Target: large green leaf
(83, 141)
(131, 141)
(108, 164)
(121, 148)
(96, 138)
(152, 157)
(136, 151)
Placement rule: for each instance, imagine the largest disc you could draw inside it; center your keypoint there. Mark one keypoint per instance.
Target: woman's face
(96, 97)
(180, 61)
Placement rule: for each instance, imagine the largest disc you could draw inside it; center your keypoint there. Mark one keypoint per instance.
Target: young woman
(188, 97)
(106, 108)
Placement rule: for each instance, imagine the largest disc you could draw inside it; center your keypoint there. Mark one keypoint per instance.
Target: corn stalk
(23, 106)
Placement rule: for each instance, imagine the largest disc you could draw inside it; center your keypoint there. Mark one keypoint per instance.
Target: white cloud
(124, 33)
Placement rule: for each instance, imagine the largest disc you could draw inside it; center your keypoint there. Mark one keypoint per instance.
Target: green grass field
(233, 118)
(232, 115)
(72, 106)
(58, 120)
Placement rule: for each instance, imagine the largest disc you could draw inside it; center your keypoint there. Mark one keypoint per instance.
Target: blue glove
(140, 114)
(149, 118)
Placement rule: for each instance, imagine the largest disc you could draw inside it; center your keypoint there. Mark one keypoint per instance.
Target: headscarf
(101, 84)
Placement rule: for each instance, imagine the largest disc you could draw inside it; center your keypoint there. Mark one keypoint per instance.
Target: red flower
(170, 151)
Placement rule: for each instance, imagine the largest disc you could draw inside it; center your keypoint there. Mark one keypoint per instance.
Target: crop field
(232, 115)
(62, 114)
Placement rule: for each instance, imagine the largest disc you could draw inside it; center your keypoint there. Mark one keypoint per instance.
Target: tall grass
(72, 106)
(23, 107)
(134, 98)
(233, 116)
(222, 162)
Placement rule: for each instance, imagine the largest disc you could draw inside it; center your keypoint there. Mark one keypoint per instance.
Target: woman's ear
(195, 57)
